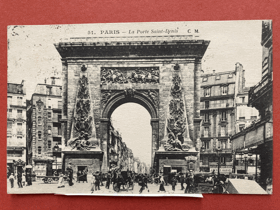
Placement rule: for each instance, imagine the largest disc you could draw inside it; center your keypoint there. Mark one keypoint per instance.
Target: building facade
(119, 155)
(224, 111)
(16, 128)
(44, 128)
(257, 139)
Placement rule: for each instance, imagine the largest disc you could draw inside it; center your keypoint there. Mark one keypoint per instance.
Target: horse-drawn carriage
(122, 179)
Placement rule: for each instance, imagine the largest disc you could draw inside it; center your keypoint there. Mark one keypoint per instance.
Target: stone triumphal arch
(160, 73)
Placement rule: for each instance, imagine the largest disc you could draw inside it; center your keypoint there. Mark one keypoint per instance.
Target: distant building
(44, 128)
(224, 111)
(258, 138)
(16, 128)
(119, 154)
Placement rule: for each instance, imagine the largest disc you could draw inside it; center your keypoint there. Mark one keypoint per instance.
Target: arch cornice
(121, 98)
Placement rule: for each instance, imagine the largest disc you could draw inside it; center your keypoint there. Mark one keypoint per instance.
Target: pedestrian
(101, 179)
(97, 181)
(161, 186)
(70, 174)
(173, 182)
(142, 184)
(12, 179)
(182, 180)
(146, 182)
(19, 180)
(78, 176)
(93, 181)
(189, 182)
(60, 181)
(23, 179)
(108, 180)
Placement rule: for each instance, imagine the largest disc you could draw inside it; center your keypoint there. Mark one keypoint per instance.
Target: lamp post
(218, 150)
(202, 150)
(245, 157)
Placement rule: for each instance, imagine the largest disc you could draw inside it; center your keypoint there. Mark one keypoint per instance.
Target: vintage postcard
(140, 109)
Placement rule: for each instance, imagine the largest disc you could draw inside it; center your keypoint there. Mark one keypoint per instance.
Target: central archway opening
(132, 121)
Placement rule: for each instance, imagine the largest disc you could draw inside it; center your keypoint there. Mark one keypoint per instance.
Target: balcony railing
(20, 132)
(19, 116)
(260, 88)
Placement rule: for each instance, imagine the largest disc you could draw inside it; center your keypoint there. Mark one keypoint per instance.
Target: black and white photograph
(140, 109)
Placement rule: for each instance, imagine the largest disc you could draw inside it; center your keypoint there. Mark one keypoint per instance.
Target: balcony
(9, 132)
(20, 132)
(261, 89)
(19, 116)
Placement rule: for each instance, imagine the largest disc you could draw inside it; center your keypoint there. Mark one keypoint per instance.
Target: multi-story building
(16, 128)
(224, 111)
(119, 154)
(257, 138)
(44, 128)
(245, 116)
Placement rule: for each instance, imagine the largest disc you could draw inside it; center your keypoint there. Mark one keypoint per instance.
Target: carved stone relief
(83, 119)
(123, 75)
(176, 125)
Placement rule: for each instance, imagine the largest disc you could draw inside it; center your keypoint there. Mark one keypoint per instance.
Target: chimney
(240, 77)
(214, 71)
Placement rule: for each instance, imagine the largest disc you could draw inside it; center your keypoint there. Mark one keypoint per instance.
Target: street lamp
(218, 150)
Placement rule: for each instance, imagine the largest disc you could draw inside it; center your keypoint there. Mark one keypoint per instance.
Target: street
(84, 188)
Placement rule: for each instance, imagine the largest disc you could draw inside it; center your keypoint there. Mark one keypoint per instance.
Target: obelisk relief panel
(83, 132)
(176, 132)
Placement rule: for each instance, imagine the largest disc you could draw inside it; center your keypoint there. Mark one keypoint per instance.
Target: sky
(32, 57)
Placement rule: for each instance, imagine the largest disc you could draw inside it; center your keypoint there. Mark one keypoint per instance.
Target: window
(230, 76)
(19, 113)
(206, 144)
(39, 150)
(206, 117)
(39, 120)
(242, 99)
(19, 129)
(224, 90)
(204, 79)
(206, 104)
(241, 118)
(218, 77)
(223, 160)
(223, 144)
(223, 115)
(49, 130)
(49, 90)
(39, 135)
(49, 115)
(254, 117)
(59, 117)
(207, 92)
(19, 101)
(10, 113)
(223, 130)
(59, 105)
(206, 131)
(49, 144)
(53, 81)
(10, 99)
(9, 128)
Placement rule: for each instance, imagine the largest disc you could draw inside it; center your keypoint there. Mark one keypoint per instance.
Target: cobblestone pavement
(84, 188)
